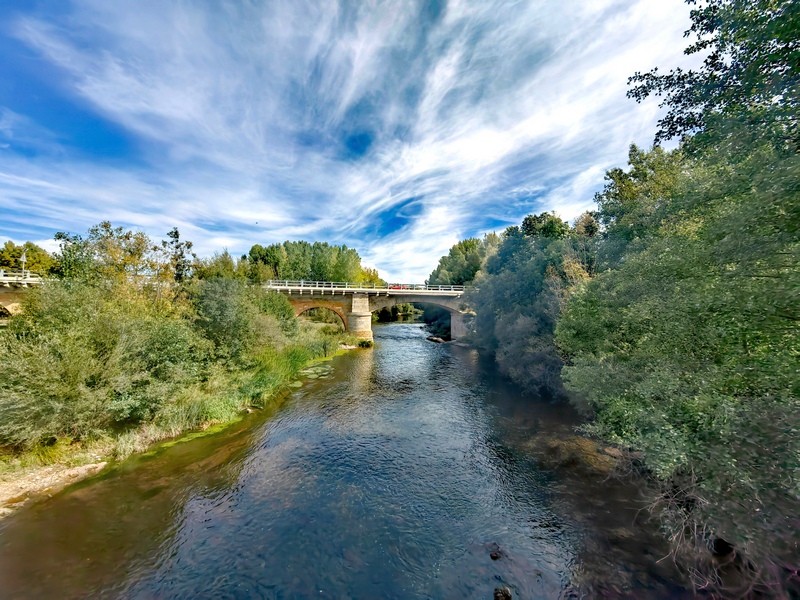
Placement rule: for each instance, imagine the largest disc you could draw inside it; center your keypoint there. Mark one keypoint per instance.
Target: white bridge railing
(285, 284)
(19, 278)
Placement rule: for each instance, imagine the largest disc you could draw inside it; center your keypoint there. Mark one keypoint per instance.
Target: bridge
(12, 288)
(355, 302)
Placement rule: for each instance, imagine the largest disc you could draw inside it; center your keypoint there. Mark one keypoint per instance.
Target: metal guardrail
(285, 284)
(19, 278)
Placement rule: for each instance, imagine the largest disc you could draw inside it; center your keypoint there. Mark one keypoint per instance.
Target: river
(397, 475)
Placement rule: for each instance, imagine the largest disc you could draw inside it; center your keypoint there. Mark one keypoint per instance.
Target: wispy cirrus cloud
(396, 127)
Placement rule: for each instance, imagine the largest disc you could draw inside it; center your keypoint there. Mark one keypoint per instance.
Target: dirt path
(17, 489)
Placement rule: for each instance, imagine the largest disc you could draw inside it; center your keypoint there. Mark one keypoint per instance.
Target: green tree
(546, 224)
(750, 71)
(180, 256)
(323, 261)
(633, 202)
(347, 266)
(75, 257)
(463, 261)
(223, 265)
(521, 291)
(302, 260)
(298, 260)
(38, 260)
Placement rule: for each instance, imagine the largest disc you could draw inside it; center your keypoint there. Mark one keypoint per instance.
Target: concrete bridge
(355, 302)
(13, 285)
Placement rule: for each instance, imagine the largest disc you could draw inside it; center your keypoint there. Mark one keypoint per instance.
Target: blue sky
(396, 128)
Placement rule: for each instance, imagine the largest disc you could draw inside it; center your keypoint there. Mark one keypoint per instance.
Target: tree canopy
(750, 70)
(463, 261)
(318, 261)
(38, 260)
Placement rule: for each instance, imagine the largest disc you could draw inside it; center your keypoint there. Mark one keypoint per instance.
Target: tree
(463, 261)
(323, 260)
(750, 70)
(38, 260)
(180, 255)
(370, 275)
(686, 343)
(75, 257)
(223, 266)
(546, 224)
(319, 261)
(298, 260)
(633, 202)
(347, 266)
(587, 224)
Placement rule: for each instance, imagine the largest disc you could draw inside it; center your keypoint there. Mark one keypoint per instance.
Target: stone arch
(11, 299)
(299, 310)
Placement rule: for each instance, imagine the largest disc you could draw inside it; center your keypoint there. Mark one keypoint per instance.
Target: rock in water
(433, 338)
(502, 593)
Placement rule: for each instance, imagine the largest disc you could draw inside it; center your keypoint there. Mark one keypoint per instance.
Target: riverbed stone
(577, 452)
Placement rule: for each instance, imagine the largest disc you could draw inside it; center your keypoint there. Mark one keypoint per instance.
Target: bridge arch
(337, 311)
(458, 327)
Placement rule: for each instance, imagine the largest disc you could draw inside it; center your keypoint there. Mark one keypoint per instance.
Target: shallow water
(394, 477)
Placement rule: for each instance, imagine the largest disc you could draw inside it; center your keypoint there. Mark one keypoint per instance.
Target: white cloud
(242, 117)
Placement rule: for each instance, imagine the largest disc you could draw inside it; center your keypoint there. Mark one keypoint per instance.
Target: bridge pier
(458, 328)
(359, 320)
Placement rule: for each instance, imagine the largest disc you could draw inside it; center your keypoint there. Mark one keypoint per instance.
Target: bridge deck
(391, 289)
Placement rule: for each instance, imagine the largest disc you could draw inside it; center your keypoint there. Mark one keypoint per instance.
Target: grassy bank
(103, 369)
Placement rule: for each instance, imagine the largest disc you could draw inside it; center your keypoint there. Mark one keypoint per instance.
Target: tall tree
(180, 255)
(751, 70)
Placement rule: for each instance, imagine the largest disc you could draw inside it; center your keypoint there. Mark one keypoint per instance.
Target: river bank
(35, 475)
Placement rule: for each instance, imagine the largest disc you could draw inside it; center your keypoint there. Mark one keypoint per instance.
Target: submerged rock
(577, 452)
(502, 593)
(495, 551)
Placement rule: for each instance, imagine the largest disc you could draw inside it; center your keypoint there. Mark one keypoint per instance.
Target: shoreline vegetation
(130, 343)
(669, 315)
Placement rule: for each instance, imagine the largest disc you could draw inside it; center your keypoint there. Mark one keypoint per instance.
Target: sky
(397, 127)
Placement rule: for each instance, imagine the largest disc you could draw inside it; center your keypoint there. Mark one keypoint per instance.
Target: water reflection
(397, 478)
(87, 537)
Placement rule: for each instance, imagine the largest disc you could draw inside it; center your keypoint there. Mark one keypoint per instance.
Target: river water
(396, 476)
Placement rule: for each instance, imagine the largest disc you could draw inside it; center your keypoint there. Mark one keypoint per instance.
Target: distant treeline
(301, 260)
(670, 314)
(319, 261)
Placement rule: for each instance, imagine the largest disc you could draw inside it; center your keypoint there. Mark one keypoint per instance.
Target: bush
(225, 315)
(82, 358)
(276, 305)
